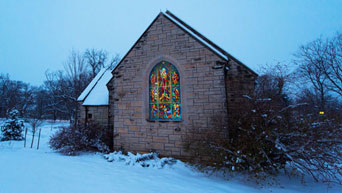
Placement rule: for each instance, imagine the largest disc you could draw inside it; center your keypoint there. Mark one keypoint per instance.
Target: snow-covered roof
(90, 86)
(96, 93)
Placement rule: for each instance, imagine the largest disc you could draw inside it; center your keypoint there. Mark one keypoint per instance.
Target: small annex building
(93, 101)
(171, 81)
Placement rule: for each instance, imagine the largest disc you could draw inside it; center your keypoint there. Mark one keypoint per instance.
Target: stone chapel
(171, 80)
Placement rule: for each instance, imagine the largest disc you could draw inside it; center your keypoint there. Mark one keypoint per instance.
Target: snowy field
(26, 170)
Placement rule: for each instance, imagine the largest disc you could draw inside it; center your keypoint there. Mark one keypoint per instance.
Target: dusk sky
(37, 35)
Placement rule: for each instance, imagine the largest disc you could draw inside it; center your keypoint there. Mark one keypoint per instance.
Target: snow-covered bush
(268, 133)
(246, 146)
(13, 127)
(72, 140)
(263, 139)
(143, 160)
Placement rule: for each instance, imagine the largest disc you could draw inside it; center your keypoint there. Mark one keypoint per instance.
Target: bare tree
(56, 106)
(96, 59)
(76, 79)
(275, 81)
(75, 66)
(15, 94)
(58, 96)
(320, 63)
(309, 60)
(333, 67)
(26, 101)
(65, 87)
(4, 100)
(113, 62)
(35, 122)
(41, 101)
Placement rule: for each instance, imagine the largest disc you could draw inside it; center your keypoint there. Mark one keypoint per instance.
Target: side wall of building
(93, 113)
(240, 84)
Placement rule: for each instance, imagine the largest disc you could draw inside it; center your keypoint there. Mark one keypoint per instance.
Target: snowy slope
(24, 170)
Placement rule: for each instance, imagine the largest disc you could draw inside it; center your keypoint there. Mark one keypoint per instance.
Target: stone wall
(203, 90)
(94, 113)
(240, 82)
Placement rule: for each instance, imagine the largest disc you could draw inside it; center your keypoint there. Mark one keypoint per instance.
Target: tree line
(57, 97)
(315, 79)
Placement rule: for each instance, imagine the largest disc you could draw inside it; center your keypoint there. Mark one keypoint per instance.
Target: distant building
(172, 80)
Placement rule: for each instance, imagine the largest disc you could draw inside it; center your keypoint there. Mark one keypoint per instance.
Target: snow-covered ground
(24, 170)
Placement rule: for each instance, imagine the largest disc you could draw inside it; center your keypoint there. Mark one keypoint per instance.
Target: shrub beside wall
(266, 136)
(74, 139)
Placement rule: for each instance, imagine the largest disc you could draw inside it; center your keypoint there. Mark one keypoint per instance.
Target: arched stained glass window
(164, 97)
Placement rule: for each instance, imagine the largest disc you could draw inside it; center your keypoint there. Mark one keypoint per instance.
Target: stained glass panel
(154, 95)
(154, 111)
(175, 78)
(175, 94)
(165, 111)
(176, 111)
(164, 76)
(164, 95)
(153, 78)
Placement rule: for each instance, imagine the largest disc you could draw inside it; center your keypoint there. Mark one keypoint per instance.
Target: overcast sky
(36, 35)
